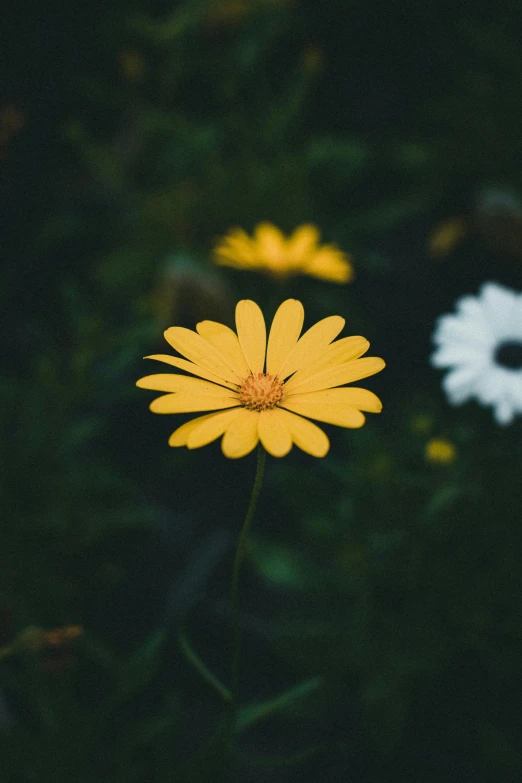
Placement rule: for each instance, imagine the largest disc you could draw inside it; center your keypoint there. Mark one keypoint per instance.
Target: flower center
(260, 392)
(509, 354)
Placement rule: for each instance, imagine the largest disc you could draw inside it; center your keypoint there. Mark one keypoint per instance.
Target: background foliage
(382, 600)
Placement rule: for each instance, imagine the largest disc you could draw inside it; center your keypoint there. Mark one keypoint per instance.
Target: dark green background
(387, 586)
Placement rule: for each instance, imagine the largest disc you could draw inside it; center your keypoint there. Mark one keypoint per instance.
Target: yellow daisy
(262, 392)
(271, 252)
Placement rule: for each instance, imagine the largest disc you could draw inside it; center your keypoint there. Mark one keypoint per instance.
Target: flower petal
(210, 428)
(241, 435)
(199, 351)
(172, 382)
(226, 341)
(487, 387)
(251, 331)
(236, 249)
(460, 383)
(341, 351)
(329, 263)
(306, 435)
(453, 328)
(312, 344)
(284, 334)
(498, 303)
(180, 436)
(330, 414)
(273, 432)
(352, 397)
(183, 364)
(189, 402)
(459, 353)
(302, 243)
(337, 376)
(503, 412)
(270, 242)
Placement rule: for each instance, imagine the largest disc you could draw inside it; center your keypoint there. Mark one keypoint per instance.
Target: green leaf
(202, 668)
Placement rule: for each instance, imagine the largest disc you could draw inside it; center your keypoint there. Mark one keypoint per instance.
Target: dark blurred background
(381, 600)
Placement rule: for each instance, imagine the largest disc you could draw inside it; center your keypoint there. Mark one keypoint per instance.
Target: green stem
(234, 586)
(201, 667)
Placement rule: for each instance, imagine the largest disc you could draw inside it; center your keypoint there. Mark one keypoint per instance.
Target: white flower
(482, 346)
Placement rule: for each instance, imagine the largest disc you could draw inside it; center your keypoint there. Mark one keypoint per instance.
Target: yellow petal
(179, 437)
(312, 344)
(353, 397)
(331, 264)
(302, 243)
(306, 435)
(182, 364)
(270, 242)
(284, 334)
(226, 341)
(199, 351)
(236, 238)
(236, 247)
(251, 331)
(273, 432)
(210, 428)
(330, 414)
(172, 382)
(241, 435)
(341, 351)
(192, 403)
(337, 375)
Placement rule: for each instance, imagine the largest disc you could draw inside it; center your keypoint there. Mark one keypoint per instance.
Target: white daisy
(482, 346)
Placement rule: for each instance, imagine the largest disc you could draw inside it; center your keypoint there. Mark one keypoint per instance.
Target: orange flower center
(261, 391)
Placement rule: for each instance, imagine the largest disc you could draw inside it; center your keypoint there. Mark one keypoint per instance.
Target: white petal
(515, 324)
(514, 389)
(462, 329)
(471, 307)
(499, 303)
(490, 385)
(504, 412)
(459, 353)
(497, 297)
(462, 377)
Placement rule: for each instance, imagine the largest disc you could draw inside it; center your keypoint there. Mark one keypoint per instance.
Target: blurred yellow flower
(271, 252)
(445, 237)
(441, 451)
(259, 390)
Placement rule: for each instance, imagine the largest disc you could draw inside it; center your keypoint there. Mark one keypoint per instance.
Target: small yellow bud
(440, 451)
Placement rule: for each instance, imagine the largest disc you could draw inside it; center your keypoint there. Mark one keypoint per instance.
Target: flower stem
(234, 585)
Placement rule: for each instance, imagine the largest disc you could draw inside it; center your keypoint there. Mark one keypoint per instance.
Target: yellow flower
(271, 252)
(441, 451)
(262, 392)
